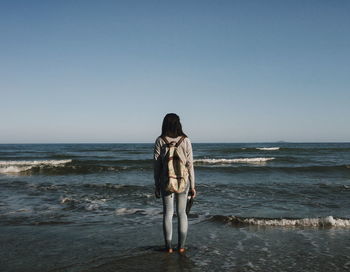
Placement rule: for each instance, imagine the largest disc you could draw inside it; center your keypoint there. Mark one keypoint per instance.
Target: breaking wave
(229, 161)
(69, 166)
(328, 221)
(22, 166)
(268, 148)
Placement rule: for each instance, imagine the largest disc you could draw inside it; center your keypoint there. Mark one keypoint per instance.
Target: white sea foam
(268, 148)
(328, 221)
(22, 166)
(47, 162)
(238, 160)
(14, 169)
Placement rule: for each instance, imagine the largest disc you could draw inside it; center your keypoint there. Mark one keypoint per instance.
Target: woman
(172, 132)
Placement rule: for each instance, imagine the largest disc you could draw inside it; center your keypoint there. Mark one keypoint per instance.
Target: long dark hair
(172, 126)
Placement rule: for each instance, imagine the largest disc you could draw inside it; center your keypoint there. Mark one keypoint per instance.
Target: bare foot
(169, 250)
(181, 250)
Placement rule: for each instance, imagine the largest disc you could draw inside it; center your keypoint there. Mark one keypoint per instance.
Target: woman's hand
(157, 192)
(193, 193)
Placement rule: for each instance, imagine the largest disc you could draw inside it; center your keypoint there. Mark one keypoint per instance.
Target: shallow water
(90, 207)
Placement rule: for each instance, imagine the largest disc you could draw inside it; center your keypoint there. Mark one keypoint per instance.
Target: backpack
(175, 163)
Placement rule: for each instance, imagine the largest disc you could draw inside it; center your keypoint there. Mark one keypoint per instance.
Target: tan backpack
(175, 162)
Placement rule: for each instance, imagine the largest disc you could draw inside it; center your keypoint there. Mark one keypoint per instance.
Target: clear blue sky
(235, 71)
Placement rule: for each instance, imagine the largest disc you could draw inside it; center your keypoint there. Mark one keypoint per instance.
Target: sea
(91, 207)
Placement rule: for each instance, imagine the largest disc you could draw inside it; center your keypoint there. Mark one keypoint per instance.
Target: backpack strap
(177, 144)
(165, 140)
(180, 141)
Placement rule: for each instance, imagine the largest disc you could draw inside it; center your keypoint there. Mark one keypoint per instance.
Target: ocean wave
(312, 149)
(69, 166)
(264, 168)
(128, 211)
(229, 161)
(47, 162)
(85, 203)
(22, 166)
(328, 221)
(106, 187)
(268, 148)
(284, 149)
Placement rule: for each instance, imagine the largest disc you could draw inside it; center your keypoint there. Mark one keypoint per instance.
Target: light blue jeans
(168, 212)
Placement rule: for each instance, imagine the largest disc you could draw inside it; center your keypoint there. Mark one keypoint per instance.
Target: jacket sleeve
(189, 155)
(157, 163)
